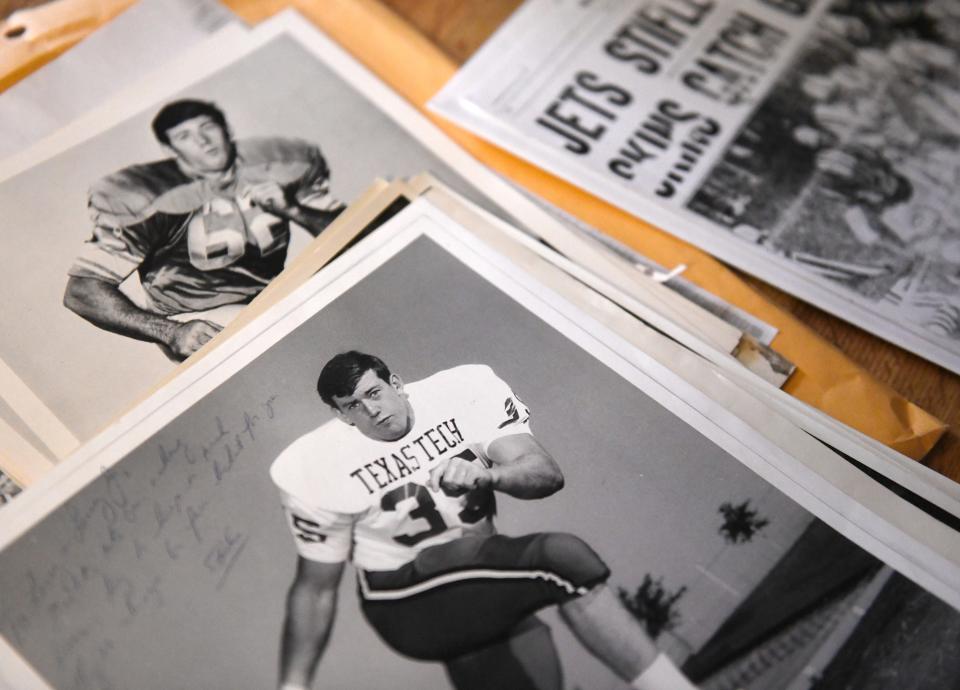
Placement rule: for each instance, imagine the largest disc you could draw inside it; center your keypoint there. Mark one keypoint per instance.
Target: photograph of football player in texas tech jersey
(379, 497)
(401, 483)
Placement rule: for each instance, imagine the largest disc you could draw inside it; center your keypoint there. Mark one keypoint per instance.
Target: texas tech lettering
(424, 449)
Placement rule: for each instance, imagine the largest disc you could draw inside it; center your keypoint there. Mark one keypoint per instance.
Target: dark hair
(172, 114)
(339, 376)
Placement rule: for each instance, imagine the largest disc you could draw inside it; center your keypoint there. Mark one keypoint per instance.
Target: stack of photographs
(543, 468)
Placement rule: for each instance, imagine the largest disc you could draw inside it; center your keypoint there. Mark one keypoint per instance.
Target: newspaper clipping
(812, 143)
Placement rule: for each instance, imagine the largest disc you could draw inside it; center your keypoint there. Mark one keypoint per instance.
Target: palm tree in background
(653, 605)
(740, 522)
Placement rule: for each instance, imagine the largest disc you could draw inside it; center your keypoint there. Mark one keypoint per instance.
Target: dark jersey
(199, 243)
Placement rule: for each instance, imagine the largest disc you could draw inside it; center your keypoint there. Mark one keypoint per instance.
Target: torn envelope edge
(34, 36)
(41, 33)
(827, 379)
(129, 101)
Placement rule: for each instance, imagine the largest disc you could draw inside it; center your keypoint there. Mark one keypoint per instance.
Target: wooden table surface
(459, 27)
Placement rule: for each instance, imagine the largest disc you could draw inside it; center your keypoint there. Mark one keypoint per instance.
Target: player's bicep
(109, 256)
(125, 232)
(523, 468)
(509, 449)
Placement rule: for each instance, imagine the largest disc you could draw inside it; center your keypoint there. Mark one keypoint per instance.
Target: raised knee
(573, 559)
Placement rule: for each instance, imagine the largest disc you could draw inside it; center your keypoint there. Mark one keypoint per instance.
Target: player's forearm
(103, 305)
(313, 220)
(305, 633)
(532, 475)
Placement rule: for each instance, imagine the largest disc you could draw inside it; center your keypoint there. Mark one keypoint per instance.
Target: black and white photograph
(849, 166)
(156, 230)
(420, 470)
(204, 228)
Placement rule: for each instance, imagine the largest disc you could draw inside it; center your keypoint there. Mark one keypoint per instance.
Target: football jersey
(198, 243)
(350, 497)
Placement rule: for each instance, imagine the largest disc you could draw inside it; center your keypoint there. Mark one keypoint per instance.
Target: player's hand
(267, 195)
(459, 476)
(187, 338)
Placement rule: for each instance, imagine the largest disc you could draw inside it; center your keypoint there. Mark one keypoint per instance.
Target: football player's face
(379, 409)
(201, 143)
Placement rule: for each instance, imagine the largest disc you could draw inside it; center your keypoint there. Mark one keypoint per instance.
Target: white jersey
(350, 497)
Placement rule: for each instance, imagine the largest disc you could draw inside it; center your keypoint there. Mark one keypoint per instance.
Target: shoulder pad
(315, 467)
(284, 161)
(476, 373)
(127, 196)
(312, 450)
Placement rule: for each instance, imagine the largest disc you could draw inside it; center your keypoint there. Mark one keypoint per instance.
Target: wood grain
(8, 7)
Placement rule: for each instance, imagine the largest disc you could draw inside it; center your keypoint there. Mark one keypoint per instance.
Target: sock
(662, 675)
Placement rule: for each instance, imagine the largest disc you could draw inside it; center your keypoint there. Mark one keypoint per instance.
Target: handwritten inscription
(223, 555)
(117, 547)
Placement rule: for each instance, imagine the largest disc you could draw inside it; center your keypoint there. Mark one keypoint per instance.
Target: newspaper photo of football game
(849, 166)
